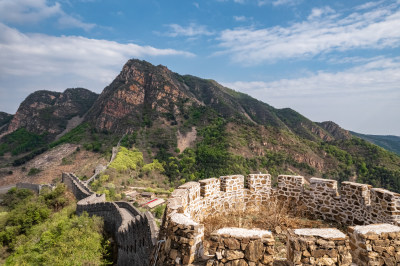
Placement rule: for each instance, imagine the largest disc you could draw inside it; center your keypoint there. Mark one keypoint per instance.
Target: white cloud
(318, 12)
(380, 75)
(37, 61)
(278, 2)
(50, 53)
(27, 11)
(370, 30)
(285, 2)
(353, 97)
(239, 18)
(34, 11)
(352, 59)
(192, 30)
(71, 22)
(235, 1)
(369, 5)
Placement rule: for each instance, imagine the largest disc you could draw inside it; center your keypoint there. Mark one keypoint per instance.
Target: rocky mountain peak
(143, 93)
(49, 111)
(5, 118)
(335, 130)
(4, 121)
(140, 94)
(138, 70)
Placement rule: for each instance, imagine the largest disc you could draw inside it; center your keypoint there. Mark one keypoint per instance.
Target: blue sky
(328, 60)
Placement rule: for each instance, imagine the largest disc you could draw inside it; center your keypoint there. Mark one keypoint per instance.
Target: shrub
(66, 239)
(34, 171)
(127, 160)
(159, 211)
(155, 165)
(15, 196)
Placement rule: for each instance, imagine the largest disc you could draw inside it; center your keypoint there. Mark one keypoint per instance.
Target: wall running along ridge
(181, 233)
(135, 233)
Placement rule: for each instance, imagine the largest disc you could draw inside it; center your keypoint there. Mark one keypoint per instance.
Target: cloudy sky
(329, 60)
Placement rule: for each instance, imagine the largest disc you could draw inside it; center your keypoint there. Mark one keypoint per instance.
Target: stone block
(375, 243)
(210, 187)
(232, 183)
(321, 246)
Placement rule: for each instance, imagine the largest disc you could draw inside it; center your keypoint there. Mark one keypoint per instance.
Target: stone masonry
(189, 204)
(35, 187)
(134, 232)
(357, 204)
(377, 244)
(181, 233)
(238, 246)
(183, 241)
(318, 246)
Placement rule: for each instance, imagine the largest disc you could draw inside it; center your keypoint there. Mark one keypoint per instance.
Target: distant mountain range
(391, 143)
(196, 127)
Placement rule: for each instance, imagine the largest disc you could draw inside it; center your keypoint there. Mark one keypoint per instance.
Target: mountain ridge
(154, 109)
(388, 142)
(49, 111)
(142, 86)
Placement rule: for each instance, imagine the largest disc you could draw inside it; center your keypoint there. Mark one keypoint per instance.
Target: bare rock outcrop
(49, 111)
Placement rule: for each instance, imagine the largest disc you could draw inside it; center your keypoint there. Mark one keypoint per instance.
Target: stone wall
(377, 244)
(183, 241)
(135, 233)
(79, 189)
(238, 246)
(357, 204)
(318, 246)
(181, 234)
(259, 186)
(194, 201)
(290, 188)
(34, 187)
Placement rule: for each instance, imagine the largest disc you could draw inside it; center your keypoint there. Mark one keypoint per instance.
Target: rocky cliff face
(140, 94)
(48, 111)
(4, 121)
(5, 118)
(143, 93)
(167, 111)
(335, 130)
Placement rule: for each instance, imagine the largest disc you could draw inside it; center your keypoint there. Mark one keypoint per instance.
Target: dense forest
(44, 230)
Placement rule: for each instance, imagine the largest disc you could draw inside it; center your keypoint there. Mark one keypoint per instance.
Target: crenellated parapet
(182, 232)
(259, 186)
(356, 204)
(189, 204)
(134, 232)
(290, 187)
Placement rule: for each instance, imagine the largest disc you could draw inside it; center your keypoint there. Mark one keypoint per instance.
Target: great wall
(134, 233)
(370, 215)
